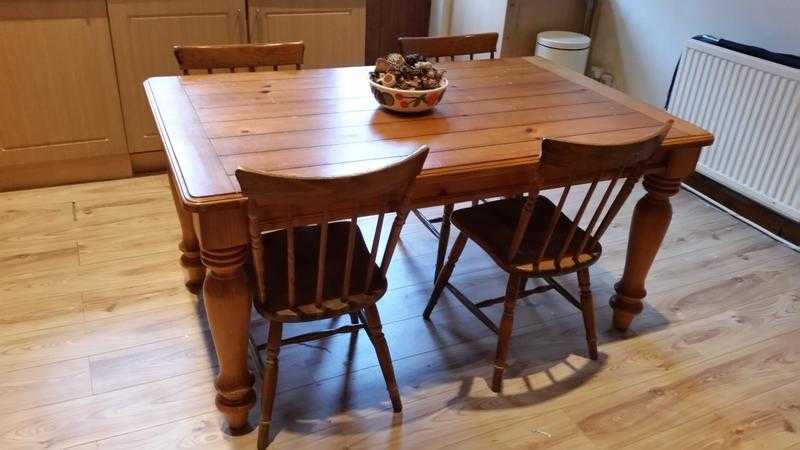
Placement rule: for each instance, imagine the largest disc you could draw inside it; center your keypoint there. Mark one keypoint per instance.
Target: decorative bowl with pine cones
(407, 83)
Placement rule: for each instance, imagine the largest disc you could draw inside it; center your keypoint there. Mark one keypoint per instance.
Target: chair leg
(270, 382)
(587, 310)
(384, 358)
(353, 318)
(523, 281)
(444, 275)
(444, 237)
(504, 336)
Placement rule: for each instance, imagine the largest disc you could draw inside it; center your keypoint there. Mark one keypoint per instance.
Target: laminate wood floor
(101, 347)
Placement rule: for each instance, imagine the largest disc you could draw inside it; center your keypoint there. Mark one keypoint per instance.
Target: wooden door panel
(333, 30)
(144, 34)
(59, 91)
(60, 116)
(154, 37)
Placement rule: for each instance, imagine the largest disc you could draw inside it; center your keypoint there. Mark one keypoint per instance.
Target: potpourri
(411, 72)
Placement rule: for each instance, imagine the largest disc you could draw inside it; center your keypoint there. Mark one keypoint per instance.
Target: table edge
(696, 137)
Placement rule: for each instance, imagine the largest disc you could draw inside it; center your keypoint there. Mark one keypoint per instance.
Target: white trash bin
(565, 48)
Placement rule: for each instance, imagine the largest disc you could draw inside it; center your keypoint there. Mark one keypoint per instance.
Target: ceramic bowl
(407, 101)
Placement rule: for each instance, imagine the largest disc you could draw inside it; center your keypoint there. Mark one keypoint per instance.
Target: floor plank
(44, 385)
(102, 347)
(31, 314)
(768, 420)
(95, 417)
(684, 395)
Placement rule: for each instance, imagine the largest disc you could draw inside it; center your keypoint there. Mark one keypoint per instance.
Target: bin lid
(563, 40)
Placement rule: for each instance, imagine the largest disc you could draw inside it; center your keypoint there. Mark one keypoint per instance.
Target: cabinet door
(144, 33)
(333, 30)
(60, 118)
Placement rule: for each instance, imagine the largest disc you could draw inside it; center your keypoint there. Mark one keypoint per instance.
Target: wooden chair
(231, 57)
(531, 237)
(452, 46)
(438, 47)
(319, 267)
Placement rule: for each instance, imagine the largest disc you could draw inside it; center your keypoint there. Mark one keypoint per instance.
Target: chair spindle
(553, 222)
(257, 249)
(522, 225)
(348, 264)
(622, 195)
(394, 236)
(323, 254)
(290, 264)
(575, 222)
(598, 211)
(373, 252)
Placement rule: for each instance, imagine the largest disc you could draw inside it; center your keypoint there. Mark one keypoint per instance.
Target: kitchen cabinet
(74, 108)
(334, 31)
(60, 116)
(144, 33)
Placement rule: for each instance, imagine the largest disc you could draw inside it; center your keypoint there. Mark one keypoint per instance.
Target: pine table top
(484, 136)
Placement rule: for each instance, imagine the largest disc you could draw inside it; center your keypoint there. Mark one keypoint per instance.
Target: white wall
(452, 17)
(440, 17)
(639, 41)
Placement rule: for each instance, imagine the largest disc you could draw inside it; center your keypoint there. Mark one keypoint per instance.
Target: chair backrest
(307, 201)
(231, 57)
(586, 163)
(452, 46)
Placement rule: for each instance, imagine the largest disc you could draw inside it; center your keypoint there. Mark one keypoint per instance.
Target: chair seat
(307, 242)
(491, 225)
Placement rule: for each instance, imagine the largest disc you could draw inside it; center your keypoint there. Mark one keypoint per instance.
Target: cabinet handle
(242, 25)
(259, 33)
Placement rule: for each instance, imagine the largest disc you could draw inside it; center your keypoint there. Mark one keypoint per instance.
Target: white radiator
(753, 108)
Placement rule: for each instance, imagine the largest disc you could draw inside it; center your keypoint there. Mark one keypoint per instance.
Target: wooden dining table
(484, 141)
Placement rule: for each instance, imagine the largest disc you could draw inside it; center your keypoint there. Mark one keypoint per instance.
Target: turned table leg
(649, 224)
(227, 297)
(194, 272)
(227, 302)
